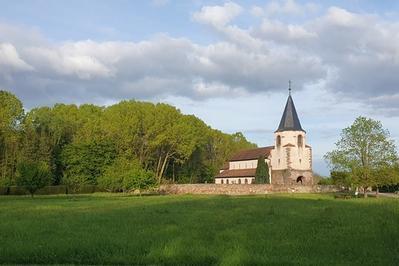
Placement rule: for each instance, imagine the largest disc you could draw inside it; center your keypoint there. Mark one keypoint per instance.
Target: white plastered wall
(289, 154)
(234, 180)
(243, 164)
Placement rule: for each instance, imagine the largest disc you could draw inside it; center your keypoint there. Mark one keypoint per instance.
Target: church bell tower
(291, 158)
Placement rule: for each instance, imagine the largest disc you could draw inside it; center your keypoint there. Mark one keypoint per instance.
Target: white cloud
(341, 17)
(205, 90)
(279, 31)
(10, 59)
(218, 15)
(257, 11)
(66, 61)
(289, 7)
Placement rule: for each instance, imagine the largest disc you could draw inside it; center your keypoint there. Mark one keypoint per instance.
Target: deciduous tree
(11, 114)
(364, 151)
(32, 175)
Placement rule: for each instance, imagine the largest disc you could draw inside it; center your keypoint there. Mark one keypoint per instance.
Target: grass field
(276, 229)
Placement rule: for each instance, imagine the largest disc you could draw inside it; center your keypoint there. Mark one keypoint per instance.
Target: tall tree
(262, 171)
(87, 160)
(363, 152)
(11, 114)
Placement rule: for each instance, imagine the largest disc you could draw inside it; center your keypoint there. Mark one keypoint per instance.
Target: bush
(32, 175)
(15, 190)
(326, 181)
(126, 175)
(77, 183)
(4, 190)
(86, 189)
(52, 190)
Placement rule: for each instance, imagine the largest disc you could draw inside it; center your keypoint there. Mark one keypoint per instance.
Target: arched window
(246, 181)
(300, 141)
(222, 181)
(278, 141)
(239, 181)
(227, 181)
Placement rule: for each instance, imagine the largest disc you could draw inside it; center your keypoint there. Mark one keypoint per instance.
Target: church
(289, 159)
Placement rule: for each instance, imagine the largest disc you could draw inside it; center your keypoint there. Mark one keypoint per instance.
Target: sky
(227, 62)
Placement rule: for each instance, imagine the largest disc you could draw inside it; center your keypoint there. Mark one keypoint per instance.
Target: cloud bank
(354, 55)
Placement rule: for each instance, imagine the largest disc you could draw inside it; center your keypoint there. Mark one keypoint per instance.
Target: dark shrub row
(49, 190)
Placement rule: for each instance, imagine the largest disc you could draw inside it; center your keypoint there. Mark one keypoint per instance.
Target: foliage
(79, 142)
(75, 182)
(11, 113)
(87, 160)
(32, 175)
(364, 151)
(342, 178)
(262, 172)
(111, 229)
(325, 181)
(126, 175)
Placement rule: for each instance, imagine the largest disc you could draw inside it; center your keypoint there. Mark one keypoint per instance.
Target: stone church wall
(236, 189)
(289, 177)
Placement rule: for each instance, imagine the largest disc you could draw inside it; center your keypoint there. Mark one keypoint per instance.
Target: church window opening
(227, 181)
(300, 141)
(222, 181)
(239, 181)
(246, 181)
(278, 141)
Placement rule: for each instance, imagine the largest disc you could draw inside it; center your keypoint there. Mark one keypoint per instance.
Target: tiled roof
(237, 173)
(252, 154)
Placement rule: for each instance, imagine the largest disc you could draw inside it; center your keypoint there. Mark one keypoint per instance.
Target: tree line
(121, 147)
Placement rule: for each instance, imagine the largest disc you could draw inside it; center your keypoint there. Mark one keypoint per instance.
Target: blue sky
(228, 62)
(137, 20)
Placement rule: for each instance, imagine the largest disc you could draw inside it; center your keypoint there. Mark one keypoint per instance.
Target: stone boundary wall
(246, 189)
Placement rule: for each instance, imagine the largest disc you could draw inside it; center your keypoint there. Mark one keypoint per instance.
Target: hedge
(4, 190)
(49, 190)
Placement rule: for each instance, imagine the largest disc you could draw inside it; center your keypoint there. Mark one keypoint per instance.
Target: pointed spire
(289, 120)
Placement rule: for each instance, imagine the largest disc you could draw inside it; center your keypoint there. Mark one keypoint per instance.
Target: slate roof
(237, 173)
(251, 154)
(289, 120)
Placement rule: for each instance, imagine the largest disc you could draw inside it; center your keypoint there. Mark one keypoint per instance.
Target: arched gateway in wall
(288, 159)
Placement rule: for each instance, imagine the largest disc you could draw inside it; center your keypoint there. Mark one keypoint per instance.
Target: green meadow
(281, 229)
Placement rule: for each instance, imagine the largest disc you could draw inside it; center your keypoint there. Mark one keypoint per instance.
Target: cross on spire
(289, 120)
